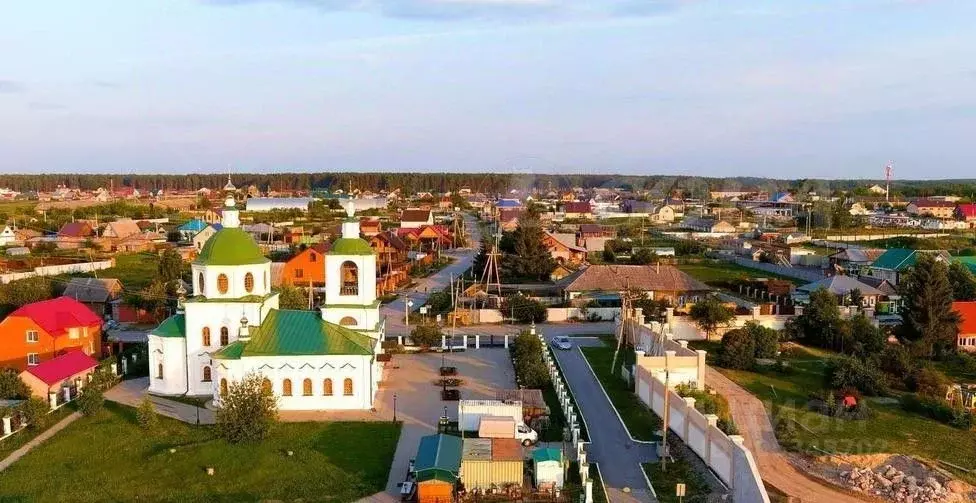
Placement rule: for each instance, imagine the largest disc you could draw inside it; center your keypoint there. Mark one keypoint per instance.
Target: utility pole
(667, 418)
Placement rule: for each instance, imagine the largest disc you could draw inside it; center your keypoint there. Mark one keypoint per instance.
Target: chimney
(244, 333)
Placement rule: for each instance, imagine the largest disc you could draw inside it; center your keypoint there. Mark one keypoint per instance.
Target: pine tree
(530, 260)
(928, 320)
(963, 282)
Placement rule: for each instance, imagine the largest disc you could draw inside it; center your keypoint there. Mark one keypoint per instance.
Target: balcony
(349, 290)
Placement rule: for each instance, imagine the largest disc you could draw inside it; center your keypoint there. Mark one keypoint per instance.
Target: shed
(56, 373)
(437, 465)
(547, 470)
(491, 463)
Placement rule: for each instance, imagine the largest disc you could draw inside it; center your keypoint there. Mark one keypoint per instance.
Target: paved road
(754, 425)
(618, 455)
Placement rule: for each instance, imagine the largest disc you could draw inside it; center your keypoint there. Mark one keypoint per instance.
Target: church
(232, 326)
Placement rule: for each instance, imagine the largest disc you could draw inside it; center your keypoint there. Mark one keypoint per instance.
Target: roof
(967, 316)
(62, 367)
(93, 289)
(618, 278)
(76, 230)
(967, 210)
(415, 215)
(895, 259)
(350, 246)
(840, 285)
(881, 284)
(476, 449)
(195, 225)
(577, 207)
(57, 315)
(591, 228)
(967, 260)
(232, 351)
(508, 203)
(174, 326)
(123, 228)
(933, 203)
(506, 449)
(438, 452)
(293, 332)
(541, 455)
(858, 255)
(231, 246)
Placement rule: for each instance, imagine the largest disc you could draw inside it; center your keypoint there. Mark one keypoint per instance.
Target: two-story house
(43, 330)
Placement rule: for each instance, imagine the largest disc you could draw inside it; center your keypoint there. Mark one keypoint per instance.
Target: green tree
(12, 387)
(426, 335)
(609, 256)
(523, 309)
(820, 324)
(91, 400)
(25, 291)
(527, 355)
(35, 411)
(767, 340)
(147, 416)
(855, 297)
(928, 320)
(153, 298)
(929, 382)
(866, 339)
(738, 350)
(963, 282)
(248, 411)
(642, 256)
(291, 297)
(710, 314)
(529, 260)
(847, 372)
(170, 266)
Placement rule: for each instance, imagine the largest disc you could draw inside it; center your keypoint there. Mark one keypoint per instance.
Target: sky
(778, 88)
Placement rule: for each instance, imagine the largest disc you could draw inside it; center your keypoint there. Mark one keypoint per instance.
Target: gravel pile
(893, 484)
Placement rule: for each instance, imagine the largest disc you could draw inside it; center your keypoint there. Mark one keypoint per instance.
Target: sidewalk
(132, 391)
(38, 440)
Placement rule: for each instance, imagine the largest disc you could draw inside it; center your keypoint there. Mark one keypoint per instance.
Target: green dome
(350, 246)
(231, 246)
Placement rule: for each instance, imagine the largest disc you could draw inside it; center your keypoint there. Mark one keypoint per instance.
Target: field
(107, 457)
(640, 421)
(134, 270)
(889, 430)
(721, 272)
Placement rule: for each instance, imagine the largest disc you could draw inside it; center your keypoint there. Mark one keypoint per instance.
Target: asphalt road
(618, 455)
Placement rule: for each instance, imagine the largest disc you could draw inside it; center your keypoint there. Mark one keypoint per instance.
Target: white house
(7, 236)
(232, 327)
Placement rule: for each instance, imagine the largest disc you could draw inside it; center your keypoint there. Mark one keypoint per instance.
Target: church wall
(169, 351)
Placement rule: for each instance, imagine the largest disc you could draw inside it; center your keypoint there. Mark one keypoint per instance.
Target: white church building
(231, 326)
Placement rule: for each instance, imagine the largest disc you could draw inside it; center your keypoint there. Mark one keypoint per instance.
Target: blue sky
(782, 88)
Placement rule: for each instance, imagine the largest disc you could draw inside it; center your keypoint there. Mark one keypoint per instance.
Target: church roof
(293, 333)
(174, 326)
(350, 246)
(231, 246)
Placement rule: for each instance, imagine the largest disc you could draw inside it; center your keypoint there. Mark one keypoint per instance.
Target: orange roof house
(43, 330)
(966, 337)
(307, 266)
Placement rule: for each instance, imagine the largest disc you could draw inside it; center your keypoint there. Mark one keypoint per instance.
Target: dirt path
(754, 425)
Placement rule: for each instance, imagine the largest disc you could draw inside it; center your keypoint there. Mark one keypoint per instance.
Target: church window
(286, 387)
(307, 387)
(206, 336)
(266, 385)
(224, 336)
(347, 387)
(249, 282)
(327, 387)
(206, 374)
(348, 321)
(223, 387)
(201, 284)
(349, 273)
(159, 371)
(222, 283)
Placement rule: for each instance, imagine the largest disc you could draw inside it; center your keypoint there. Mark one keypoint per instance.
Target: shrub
(738, 350)
(527, 355)
(928, 382)
(35, 413)
(524, 309)
(91, 400)
(850, 372)
(146, 415)
(896, 362)
(938, 410)
(767, 340)
(426, 335)
(12, 387)
(249, 411)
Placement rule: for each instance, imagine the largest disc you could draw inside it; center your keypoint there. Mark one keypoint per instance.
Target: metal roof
(438, 452)
(287, 332)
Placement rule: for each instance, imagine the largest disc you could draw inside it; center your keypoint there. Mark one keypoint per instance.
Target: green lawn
(666, 480)
(720, 272)
(14, 442)
(134, 270)
(640, 421)
(890, 430)
(107, 457)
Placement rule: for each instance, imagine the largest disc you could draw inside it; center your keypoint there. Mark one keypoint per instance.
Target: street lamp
(394, 407)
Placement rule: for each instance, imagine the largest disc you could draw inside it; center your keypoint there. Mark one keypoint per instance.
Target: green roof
(438, 453)
(287, 332)
(246, 298)
(540, 455)
(436, 474)
(231, 246)
(174, 326)
(968, 261)
(895, 259)
(349, 246)
(231, 351)
(375, 303)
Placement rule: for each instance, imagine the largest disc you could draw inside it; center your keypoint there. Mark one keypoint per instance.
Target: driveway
(131, 392)
(611, 446)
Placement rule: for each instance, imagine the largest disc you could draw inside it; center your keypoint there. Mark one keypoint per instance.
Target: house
(576, 209)
(841, 286)
(76, 230)
(121, 229)
(662, 282)
(560, 272)
(7, 236)
(893, 262)
(795, 238)
(370, 226)
(437, 467)
(40, 331)
(966, 336)
(564, 252)
(853, 260)
(65, 371)
(665, 213)
(392, 267)
(596, 231)
(932, 207)
(966, 212)
(709, 225)
(635, 206)
(413, 218)
(307, 267)
(191, 228)
(96, 294)
(877, 189)
(201, 238)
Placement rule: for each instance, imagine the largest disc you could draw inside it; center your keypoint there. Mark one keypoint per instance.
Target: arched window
(206, 336)
(307, 387)
(347, 386)
(265, 285)
(206, 374)
(222, 283)
(349, 273)
(224, 336)
(201, 284)
(327, 387)
(159, 371)
(249, 282)
(223, 387)
(266, 385)
(348, 321)
(286, 387)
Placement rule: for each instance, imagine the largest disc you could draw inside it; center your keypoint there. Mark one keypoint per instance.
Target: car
(562, 342)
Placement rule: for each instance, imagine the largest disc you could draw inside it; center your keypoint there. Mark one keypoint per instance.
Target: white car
(562, 342)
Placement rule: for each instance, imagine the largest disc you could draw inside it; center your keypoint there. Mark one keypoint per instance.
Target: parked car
(562, 342)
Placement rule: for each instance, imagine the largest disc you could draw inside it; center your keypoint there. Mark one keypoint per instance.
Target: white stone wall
(170, 352)
(235, 280)
(366, 265)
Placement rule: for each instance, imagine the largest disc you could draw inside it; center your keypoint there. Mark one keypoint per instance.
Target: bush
(146, 415)
(524, 309)
(928, 382)
(530, 371)
(767, 340)
(738, 350)
(91, 400)
(938, 410)
(35, 413)
(896, 362)
(249, 411)
(850, 372)
(426, 335)
(12, 387)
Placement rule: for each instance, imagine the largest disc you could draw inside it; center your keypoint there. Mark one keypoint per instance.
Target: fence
(54, 270)
(790, 272)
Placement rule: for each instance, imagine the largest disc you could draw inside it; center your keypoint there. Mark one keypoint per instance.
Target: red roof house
(76, 230)
(58, 372)
(966, 211)
(966, 338)
(44, 330)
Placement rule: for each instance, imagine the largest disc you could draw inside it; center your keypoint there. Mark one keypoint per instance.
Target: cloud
(106, 84)
(46, 106)
(12, 87)
(457, 9)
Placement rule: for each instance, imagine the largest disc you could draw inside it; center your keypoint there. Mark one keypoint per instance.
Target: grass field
(640, 421)
(666, 480)
(107, 457)
(718, 272)
(14, 442)
(890, 430)
(134, 270)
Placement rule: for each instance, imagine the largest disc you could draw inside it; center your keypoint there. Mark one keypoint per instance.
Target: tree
(481, 259)
(25, 291)
(248, 411)
(963, 282)
(170, 266)
(738, 350)
(651, 309)
(767, 340)
(35, 411)
(527, 356)
(642, 256)
(153, 298)
(855, 297)
(91, 400)
(820, 324)
(530, 259)
(12, 387)
(426, 335)
(609, 256)
(847, 372)
(290, 297)
(710, 314)
(866, 339)
(146, 415)
(928, 320)
(928, 382)
(524, 309)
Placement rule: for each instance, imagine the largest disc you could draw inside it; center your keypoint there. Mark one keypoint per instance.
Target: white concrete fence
(54, 270)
